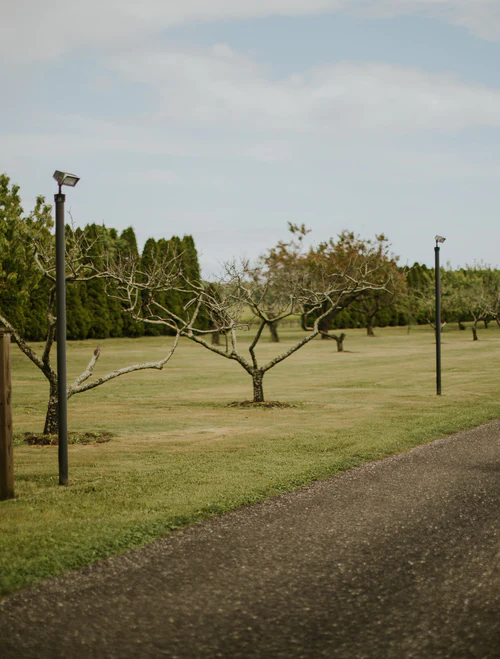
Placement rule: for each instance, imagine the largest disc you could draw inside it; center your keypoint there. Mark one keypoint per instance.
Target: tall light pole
(439, 239)
(62, 178)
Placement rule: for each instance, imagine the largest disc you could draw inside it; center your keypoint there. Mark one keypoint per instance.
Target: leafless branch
(24, 347)
(78, 386)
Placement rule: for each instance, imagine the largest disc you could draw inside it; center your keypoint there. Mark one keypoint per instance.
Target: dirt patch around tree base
(266, 404)
(34, 439)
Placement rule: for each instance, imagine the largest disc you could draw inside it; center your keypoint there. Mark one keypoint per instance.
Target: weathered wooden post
(6, 445)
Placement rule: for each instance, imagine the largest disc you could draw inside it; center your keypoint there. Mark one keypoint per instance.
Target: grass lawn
(180, 454)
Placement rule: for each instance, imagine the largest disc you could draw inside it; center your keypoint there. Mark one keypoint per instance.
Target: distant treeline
(470, 294)
(94, 313)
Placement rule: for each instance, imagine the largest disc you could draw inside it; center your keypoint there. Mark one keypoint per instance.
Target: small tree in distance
(476, 294)
(376, 300)
(419, 300)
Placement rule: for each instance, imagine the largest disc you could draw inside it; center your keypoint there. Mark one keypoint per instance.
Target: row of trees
(113, 290)
(91, 311)
(467, 295)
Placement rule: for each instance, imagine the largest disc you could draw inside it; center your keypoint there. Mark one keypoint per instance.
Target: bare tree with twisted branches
(39, 249)
(305, 287)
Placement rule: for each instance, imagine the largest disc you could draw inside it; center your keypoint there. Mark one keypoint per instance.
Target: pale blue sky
(227, 119)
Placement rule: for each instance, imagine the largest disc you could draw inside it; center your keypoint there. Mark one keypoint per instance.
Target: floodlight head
(64, 178)
(440, 239)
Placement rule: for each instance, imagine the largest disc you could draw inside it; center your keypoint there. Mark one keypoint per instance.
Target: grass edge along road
(179, 454)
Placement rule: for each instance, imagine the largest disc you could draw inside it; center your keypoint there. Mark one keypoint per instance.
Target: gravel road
(395, 559)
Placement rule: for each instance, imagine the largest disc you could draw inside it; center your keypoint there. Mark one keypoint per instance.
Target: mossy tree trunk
(474, 332)
(51, 420)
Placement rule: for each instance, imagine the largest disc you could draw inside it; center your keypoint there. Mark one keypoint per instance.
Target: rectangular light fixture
(64, 178)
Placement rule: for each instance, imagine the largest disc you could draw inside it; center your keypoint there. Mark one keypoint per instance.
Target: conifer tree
(126, 248)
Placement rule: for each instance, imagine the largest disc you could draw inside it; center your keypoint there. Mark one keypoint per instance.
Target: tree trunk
(461, 326)
(474, 332)
(340, 341)
(369, 330)
(216, 338)
(51, 420)
(486, 323)
(324, 326)
(258, 391)
(273, 328)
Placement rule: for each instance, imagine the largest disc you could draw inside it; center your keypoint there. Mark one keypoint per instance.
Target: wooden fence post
(6, 445)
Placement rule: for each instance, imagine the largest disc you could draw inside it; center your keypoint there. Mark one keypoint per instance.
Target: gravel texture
(397, 558)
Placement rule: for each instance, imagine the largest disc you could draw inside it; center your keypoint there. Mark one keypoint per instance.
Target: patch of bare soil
(34, 439)
(267, 403)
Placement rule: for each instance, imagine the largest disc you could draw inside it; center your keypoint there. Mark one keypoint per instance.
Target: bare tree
(304, 287)
(79, 268)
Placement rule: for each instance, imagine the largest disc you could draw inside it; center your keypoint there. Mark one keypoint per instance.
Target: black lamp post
(62, 178)
(439, 239)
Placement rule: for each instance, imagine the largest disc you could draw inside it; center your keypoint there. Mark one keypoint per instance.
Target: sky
(227, 119)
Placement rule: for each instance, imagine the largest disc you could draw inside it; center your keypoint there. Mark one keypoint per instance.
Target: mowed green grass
(179, 454)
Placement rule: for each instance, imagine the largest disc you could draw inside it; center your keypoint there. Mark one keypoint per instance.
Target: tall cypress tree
(148, 258)
(97, 301)
(92, 311)
(126, 246)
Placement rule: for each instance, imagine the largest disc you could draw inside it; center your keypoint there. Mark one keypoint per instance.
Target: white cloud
(31, 29)
(218, 104)
(482, 17)
(44, 30)
(220, 87)
(80, 136)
